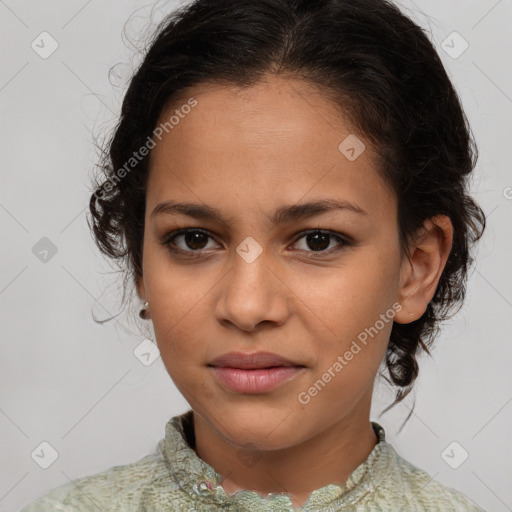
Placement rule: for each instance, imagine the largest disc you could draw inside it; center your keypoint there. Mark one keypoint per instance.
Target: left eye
(320, 240)
(196, 240)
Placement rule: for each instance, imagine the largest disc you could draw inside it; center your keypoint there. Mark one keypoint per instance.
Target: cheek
(356, 318)
(175, 297)
(180, 307)
(351, 297)
(182, 352)
(346, 371)
(177, 337)
(177, 313)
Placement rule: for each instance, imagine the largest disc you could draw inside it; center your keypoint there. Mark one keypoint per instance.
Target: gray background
(78, 385)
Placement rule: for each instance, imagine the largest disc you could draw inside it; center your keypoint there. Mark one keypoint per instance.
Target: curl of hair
(378, 67)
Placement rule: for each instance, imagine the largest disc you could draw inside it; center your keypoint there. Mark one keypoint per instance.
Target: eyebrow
(284, 214)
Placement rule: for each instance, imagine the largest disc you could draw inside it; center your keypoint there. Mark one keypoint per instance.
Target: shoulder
(422, 493)
(123, 484)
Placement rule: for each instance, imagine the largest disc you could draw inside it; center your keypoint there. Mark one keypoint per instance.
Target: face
(251, 281)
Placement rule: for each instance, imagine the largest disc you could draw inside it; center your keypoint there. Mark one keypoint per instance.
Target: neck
(327, 458)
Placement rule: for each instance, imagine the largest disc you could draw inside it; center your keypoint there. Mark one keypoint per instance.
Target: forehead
(278, 141)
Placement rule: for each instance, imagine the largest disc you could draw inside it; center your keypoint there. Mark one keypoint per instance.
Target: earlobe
(423, 267)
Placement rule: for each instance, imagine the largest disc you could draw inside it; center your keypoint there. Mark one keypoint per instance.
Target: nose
(254, 295)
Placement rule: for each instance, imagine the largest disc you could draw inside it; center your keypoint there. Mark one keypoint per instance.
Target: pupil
(317, 241)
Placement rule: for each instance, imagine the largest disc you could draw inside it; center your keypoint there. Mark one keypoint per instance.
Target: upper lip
(251, 361)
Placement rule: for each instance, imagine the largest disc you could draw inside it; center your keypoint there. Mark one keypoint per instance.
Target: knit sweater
(175, 478)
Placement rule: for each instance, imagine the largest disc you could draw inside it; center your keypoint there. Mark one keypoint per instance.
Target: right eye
(193, 240)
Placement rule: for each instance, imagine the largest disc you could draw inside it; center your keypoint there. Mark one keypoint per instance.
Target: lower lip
(255, 381)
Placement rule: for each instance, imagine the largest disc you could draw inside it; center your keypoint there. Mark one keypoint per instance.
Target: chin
(256, 429)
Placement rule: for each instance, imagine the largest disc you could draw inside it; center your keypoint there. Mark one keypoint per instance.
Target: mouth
(254, 373)
(249, 367)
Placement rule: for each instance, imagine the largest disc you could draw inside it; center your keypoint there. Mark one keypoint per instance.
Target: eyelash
(168, 241)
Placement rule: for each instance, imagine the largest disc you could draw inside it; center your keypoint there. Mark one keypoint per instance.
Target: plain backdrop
(78, 386)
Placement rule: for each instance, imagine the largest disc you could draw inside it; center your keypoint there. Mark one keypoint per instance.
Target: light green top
(174, 478)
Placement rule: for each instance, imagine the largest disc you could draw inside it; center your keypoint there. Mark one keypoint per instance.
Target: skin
(246, 153)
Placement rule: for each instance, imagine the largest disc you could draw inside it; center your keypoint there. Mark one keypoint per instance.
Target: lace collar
(200, 480)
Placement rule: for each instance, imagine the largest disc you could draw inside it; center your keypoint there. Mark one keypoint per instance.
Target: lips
(252, 361)
(255, 381)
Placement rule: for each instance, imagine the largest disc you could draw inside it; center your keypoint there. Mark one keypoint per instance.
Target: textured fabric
(174, 478)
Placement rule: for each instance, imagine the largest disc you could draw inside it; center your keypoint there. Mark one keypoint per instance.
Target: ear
(422, 267)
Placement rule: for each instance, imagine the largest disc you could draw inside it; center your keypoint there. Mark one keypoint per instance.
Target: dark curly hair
(367, 56)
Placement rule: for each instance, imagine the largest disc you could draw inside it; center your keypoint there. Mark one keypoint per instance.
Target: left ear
(422, 268)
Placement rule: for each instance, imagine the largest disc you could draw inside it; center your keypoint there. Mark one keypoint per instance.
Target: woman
(288, 185)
